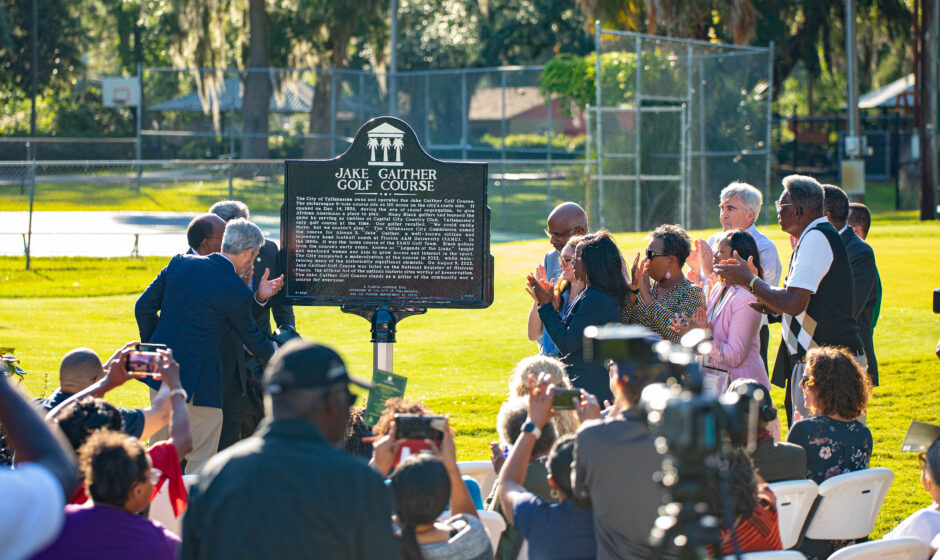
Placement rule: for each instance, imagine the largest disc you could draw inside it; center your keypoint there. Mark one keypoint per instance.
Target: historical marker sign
(386, 224)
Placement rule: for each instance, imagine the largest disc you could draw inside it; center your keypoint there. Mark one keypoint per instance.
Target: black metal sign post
(384, 322)
(385, 231)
